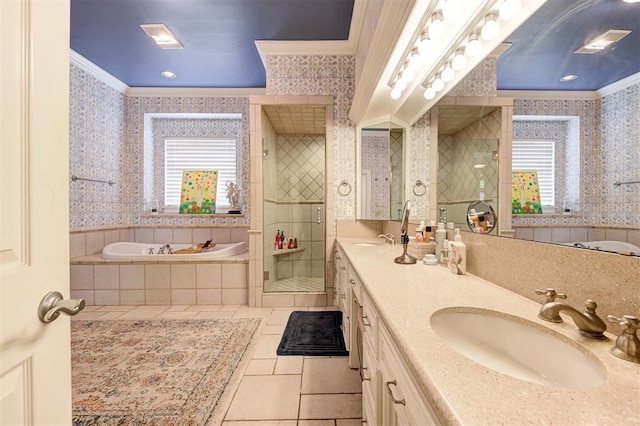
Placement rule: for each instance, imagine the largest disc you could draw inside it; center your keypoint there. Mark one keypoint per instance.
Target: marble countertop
(462, 391)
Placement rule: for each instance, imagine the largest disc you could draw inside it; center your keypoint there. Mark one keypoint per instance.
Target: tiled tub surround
(118, 282)
(450, 380)
(576, 233)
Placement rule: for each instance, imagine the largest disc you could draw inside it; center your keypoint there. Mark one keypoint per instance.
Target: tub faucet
(390, 238)
(162, 249)
(588, 322)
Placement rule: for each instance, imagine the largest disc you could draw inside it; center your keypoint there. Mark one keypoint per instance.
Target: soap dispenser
(441, 235)
(458, 255)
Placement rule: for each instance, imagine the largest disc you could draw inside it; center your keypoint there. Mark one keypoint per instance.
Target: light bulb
(395, 93)
(438, 84)
(408, 73)
(448, 73)
(450, 8)
(509, 9)
(429, 93)
(436, 27)
(424, 45)
(415, 60)
(474, 45)
(459, 60)
(491, 27)
(401, 83)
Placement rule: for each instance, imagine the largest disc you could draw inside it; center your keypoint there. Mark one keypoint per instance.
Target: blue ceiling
(219, 50)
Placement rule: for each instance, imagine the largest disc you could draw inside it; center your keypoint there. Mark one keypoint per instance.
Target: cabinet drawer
(410, 403)
(370, 321)
(354, 283)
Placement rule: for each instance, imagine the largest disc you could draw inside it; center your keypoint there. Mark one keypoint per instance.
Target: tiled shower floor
(296, 284)
(274, 390)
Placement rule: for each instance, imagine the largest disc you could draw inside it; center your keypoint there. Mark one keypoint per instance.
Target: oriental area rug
(154, 372)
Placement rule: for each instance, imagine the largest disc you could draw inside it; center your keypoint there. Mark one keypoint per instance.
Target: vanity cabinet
(390, 394)
(342, 293)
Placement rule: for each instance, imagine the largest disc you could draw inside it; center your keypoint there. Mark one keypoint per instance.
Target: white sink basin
(518, 348)
(368, 244)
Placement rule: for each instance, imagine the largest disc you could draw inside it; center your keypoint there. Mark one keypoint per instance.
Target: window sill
(177, 215)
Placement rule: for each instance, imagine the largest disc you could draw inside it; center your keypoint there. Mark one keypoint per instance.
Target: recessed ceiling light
(167, 74)
(568, 78)
(162, 36)
(602, 41)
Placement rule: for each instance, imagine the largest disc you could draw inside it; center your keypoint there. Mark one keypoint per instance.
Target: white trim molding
(622, 84)
(89, 67)
(193, 92)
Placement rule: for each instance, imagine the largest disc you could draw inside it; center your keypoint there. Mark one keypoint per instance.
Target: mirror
(405, 258)
(468, 144)
(481, 217)
(381, 189)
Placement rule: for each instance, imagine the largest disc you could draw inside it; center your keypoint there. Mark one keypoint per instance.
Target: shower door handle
(318, 215)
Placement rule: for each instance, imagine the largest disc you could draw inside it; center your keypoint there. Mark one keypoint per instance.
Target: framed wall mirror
(380, 172)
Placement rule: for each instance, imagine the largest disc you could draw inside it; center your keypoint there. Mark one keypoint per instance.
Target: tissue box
(418, 250)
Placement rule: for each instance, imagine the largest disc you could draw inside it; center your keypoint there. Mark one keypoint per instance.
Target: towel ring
(419, 184)
(344, 192)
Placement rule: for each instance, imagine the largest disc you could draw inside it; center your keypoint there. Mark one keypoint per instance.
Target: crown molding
(90, 68)
(619, 85)
(193, 92)
(563, 95)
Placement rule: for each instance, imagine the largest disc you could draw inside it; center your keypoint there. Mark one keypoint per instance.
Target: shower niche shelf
(286, 251)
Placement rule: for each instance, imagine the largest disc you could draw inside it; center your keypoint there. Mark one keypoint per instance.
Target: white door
(35, 366)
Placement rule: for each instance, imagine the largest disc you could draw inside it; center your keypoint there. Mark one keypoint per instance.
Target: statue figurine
(233, 195)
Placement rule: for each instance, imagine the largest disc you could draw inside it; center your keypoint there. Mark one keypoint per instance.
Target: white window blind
(198, 154)
(538, 155)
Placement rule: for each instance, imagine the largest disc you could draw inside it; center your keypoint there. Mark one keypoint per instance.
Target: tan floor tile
(266, 398)
(177, 308)
(91, 315)
(252, 313)
(290, 309)
(202, 308)
(316, 422)
(260, 423)
(289, 365)
(349, 422)
(260, 367)
(327, 406)
(214, 314)
(279, 317)
(273, 329)
(267, 346)
(91, 308)
(177, 315)
(115, 308)
(111, 315)
(330, 375)
(230, 307)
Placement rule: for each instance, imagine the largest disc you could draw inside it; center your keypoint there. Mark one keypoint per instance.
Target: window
(538, 155)
(198, 154)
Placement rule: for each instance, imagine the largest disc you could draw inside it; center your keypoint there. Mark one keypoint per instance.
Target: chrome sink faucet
(163, 248)
(588, 322)
(390, 238)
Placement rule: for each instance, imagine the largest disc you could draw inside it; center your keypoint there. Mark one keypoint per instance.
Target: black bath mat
(313, 333)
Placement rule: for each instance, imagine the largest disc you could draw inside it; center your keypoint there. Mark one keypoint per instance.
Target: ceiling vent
(602, 41)
(162, 36)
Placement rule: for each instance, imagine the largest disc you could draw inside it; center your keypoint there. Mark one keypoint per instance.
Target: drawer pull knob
(365, 321)
(364, 376)
(352, 281)
(393, 399)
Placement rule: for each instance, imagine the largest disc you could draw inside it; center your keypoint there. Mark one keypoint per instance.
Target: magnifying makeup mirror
(405, 259)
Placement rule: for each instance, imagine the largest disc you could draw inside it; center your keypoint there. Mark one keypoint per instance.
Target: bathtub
(605, 245)
(140, 251)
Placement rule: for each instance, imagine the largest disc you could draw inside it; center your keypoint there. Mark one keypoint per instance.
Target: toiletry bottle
(419, 234)
(290, 245)
(450, 231)
(426, 234)
(432, 224)
(295, 243)
(277, 245)
(458, 257)
(440, 237)
(444, 253)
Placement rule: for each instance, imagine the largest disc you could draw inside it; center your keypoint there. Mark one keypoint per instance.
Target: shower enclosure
(293, 206)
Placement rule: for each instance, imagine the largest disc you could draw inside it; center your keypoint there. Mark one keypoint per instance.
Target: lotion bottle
(458, 256)
(441, 235)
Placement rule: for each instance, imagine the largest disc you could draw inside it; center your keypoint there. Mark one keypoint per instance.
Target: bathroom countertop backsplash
(462, 391)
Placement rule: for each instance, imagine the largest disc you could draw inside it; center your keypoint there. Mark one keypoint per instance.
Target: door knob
(53, 303)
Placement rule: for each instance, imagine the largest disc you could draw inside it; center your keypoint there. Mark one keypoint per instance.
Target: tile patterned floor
(274, 390)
